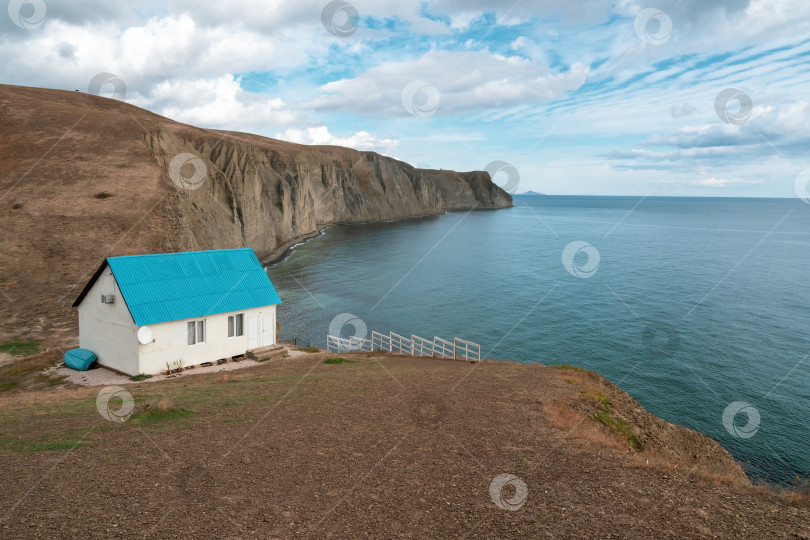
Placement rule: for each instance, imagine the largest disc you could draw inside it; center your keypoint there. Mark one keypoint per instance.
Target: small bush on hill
(338, 361)
(158, 411)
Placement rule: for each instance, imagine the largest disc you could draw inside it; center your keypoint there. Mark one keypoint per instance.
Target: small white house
(138, 313)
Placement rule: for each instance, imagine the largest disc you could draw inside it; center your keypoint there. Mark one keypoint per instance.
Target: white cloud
(706, 25)
(592, 11)
(179, 46)
(530, 48)
(471, 81)
(767, 125)
(159, 49)
(683, 109)
(362, 140)
(723, 182)
(520, 42)
(216, 103)
(769, 148)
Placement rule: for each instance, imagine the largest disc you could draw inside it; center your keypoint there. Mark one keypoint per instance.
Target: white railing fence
(443, 348)
(364, 345)
(421, 346)
(413, 346)
(401, 344)
(351, 344)
(467, 349)
(380, 342)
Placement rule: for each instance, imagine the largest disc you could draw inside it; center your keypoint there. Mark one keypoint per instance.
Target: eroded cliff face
(267, 194)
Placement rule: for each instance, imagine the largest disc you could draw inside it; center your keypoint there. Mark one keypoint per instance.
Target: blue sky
(681, 97)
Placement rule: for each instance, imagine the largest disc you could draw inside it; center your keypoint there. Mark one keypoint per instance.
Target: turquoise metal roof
(193, 284)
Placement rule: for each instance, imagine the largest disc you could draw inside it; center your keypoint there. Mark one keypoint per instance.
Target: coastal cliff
(266, 194)
(84, 177)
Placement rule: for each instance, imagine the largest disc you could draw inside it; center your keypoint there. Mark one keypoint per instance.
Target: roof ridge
(178, 253)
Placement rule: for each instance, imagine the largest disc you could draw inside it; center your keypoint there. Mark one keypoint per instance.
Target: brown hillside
(84, 177)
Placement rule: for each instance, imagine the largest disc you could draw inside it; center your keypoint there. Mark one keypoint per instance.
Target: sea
(697, 307)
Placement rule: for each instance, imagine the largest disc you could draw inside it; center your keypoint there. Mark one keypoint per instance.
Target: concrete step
(269, 352)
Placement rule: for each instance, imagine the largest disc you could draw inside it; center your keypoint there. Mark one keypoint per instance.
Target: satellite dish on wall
(144, 335)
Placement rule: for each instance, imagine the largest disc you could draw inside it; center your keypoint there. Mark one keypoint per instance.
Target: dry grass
(158, 404)
(27, 373)
(654, 460)
(799, 494)
(799, 500)
(578, 423)
(159, 410)
(30, 364)
(589, 418)
(579, 426)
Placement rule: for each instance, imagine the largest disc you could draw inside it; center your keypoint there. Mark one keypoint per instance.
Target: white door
(268, 329)
(253, 331)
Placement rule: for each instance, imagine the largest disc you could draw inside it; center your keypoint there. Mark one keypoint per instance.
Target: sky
(636, 97)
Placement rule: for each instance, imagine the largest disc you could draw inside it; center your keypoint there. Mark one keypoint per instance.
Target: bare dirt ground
(380, 447)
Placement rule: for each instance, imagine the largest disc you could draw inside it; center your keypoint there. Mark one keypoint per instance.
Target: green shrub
(8, 384)
(620, 426)
(338, 361)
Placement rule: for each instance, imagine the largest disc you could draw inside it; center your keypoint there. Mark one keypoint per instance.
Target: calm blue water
(695, 304)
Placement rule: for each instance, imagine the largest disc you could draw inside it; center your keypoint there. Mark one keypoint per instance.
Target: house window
(196, 332)
(235, 325)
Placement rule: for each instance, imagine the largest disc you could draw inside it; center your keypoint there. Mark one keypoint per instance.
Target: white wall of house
(171, 339)
(108, 329)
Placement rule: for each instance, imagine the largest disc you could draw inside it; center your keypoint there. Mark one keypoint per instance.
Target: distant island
(529, 193)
